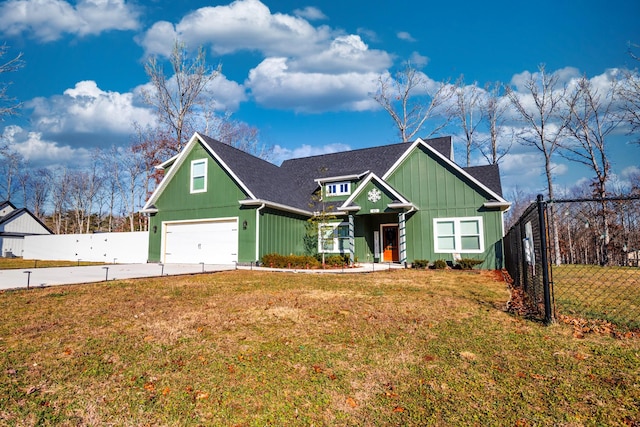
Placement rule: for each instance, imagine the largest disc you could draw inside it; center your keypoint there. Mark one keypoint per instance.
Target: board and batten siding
(177, 203)
(439, 191)
(282, 233)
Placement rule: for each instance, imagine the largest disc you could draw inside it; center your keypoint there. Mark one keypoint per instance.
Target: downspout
(258, 231)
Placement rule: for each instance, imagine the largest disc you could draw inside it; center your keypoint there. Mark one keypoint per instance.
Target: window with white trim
(199, 176)
(458, 235)
(333, 237)
(338, 188)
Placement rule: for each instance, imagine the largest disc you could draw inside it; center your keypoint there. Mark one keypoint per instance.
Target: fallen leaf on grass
(150, 386)
(166, 391)
(32, 390)
(201, 395)
(467, 355)
(398, 409)
(351, 402)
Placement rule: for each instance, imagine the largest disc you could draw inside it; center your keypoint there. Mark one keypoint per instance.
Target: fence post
(542, 206)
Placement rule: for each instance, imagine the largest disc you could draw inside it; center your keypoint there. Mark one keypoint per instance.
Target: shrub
(468, 263)
(440, 264)
(420, 263)
(334, 260)
(289, 261)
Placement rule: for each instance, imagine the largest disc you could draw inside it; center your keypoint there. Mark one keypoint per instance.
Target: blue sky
(301, 72)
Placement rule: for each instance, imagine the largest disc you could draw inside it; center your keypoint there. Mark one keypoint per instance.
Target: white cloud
(86, 108)
(311, 13)
(274, 85)
(344, 54)
(48, 20)
(281, 154)
(418, 60)
(225, 95)
(43, 153)
(241, 25)
(403, 35)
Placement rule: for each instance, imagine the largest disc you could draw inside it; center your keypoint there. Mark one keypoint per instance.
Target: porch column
(351, 240)
(402, 237)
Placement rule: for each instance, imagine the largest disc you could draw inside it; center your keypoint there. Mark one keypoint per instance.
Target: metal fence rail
(589, 269)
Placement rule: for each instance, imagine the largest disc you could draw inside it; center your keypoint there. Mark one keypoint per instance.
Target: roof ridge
(377, 147)
(208, 138)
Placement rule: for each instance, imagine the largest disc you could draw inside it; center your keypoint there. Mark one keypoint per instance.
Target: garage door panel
(211, 242)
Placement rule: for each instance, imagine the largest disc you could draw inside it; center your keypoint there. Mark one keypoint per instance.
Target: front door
(390, 243)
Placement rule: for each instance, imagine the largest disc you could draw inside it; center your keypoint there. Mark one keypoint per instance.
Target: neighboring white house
(15, 224)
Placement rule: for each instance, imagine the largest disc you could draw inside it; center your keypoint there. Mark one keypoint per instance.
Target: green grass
(246, 348)
(594, 292)
(19, 263)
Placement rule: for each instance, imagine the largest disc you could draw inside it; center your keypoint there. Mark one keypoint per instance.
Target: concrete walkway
(38, 277)
(41, 277)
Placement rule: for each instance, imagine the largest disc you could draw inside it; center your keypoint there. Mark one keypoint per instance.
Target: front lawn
(255, 348)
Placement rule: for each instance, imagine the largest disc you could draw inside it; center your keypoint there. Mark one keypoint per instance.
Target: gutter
(256, 202)
(258, 231)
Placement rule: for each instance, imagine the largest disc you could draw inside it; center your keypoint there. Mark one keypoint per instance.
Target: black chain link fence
(595, 259)
(578, 259)
(526, 260)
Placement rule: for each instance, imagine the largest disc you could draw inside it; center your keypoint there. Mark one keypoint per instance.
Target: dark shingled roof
(8, 217)
(489, 175)
(293, 183)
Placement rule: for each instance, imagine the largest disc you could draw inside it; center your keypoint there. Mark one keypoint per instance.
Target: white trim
(457, 236)
(364, 183)
(451, 163)
(390, 224)
(338, 186)
(258, 231)
(494, 204)
(163, 236)
(336, 245)
(255, 202)
(192, 176)
(353, 177)
(179, 159)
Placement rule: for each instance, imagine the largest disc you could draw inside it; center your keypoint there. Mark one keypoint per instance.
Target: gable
(22, 222)
(431, 181)
(220, 187)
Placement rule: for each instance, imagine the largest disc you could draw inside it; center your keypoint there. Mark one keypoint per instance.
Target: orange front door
(390, 243)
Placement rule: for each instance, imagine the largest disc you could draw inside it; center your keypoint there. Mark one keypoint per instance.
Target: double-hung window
(338, 188)
(199, 176)
(458, 235)
(333, 237)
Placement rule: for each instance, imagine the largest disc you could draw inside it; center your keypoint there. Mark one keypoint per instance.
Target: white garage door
(211, 242)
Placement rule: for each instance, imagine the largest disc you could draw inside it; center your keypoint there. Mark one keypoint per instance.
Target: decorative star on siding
(374, 195)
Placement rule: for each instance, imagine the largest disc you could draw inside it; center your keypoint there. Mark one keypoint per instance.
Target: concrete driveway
(37, 277)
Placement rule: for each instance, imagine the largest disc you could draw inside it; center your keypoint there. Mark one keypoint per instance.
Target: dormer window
(338, 188)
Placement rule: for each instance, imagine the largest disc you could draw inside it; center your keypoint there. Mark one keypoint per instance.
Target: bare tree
(497, 145)
(42, 180)
(469, 112)
(128, 169)
(176, 98)
(8, 105)
(629, 92)
(411, 100)
(539, 110)
(590, 117)
(240, 135)
(10, 165)
(60, 199)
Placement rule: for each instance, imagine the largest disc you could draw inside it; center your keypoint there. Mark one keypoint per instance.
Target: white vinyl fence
(131, 247)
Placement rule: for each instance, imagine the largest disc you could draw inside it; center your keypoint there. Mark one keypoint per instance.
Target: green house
(394, 203)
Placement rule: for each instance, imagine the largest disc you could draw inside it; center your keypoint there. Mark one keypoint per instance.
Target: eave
(279, 206)
(352, 177)
(503, 206)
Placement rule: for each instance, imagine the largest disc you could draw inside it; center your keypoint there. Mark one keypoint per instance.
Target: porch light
(155, 229)
(244, 224)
